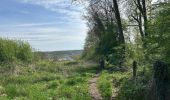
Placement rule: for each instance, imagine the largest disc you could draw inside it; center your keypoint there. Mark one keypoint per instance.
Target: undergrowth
(47, 80)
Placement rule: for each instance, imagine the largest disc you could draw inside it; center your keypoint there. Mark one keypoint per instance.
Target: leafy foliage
(103, 39)
(159, 37)
(131, 91)
(11, 50)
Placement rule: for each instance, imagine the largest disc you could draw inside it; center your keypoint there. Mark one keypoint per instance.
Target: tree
(138, 11)
(105, 24)
(159, 37)
(119, 22)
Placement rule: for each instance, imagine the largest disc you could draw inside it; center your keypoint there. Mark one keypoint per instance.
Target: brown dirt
(95, 94)
(114, 94)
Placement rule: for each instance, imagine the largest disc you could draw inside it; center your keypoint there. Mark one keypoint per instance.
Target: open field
(47, 81)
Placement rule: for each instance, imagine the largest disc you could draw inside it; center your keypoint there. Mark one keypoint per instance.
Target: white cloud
(65, 7)
(71, 29)
(70, 11)
(29, 24)
(44, 37)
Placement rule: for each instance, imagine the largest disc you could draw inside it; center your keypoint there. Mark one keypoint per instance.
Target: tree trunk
(145, 17)
(121, 35)
(119, 23)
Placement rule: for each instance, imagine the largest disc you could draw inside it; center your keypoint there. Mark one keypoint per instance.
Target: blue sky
(48, 25)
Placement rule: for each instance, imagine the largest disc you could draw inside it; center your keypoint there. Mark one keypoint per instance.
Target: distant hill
(62, 55)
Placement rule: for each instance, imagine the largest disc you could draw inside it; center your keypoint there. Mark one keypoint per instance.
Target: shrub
(24, 52)
(130, 90)
(11, 50)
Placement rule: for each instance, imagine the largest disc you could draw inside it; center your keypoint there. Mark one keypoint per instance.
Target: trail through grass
(95, 94)
(48, 81)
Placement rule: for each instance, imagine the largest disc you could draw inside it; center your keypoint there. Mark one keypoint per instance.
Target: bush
(24, 52)
(130, 90)
(11, 50)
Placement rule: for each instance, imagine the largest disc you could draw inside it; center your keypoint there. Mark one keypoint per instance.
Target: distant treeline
(56, 55)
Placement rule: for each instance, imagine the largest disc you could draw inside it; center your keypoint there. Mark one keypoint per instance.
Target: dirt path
(93, 88)
(114, 93)
(94, 92)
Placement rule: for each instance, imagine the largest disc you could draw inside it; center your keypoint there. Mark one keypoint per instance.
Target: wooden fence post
(134, 69)
(102, 63)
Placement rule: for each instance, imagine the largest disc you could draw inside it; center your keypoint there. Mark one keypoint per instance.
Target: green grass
(104, 85)
(111, 81)
(47, 80)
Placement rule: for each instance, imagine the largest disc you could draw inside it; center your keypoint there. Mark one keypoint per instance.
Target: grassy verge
(47, 81)
(105, 86)
(138, 89)
(110, 82)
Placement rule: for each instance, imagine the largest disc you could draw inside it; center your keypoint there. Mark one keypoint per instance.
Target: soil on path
(95, 94)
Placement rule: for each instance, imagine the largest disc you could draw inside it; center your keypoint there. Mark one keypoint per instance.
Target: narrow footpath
(94, 92)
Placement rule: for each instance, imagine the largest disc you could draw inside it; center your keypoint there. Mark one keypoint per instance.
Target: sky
(48, 25)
